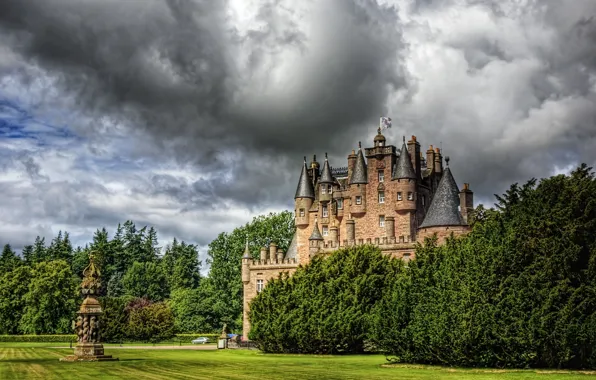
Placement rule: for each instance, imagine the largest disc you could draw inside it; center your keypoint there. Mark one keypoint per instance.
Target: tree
(50, 301)
(146, 280)
(114, 318)
(60, 248)
(181, 265)
(518, 291)
(193, 310)
(325, 307)
(13, 288)
(39, 252)
(150, 322)
(8, 259)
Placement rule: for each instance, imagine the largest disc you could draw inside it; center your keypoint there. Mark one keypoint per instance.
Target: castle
(387, 197)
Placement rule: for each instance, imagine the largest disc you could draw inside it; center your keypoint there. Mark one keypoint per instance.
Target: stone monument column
(88, 323)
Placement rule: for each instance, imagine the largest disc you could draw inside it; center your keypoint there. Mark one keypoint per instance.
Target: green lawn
(31, 361)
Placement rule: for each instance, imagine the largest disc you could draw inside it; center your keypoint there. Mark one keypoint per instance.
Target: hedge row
(38, 338)
(189, 337)
(73, 338)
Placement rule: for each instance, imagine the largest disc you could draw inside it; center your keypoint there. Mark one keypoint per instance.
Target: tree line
(146, 292)
(518, 291)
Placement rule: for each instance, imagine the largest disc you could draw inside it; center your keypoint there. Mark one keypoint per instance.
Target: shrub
(325, 307)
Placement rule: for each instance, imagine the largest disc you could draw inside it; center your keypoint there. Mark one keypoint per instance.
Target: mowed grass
(27, 361)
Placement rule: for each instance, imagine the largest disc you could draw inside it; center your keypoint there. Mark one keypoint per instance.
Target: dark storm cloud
(183, 73)
(245, 103)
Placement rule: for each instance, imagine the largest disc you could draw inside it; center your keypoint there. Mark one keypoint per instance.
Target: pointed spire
(316, 234)
(443, 210)
(246, 251)
(404, 168)
(305, 188)
(359, 175)
(326, 176)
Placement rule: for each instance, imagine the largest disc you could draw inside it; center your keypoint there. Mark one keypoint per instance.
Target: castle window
(358, 200)
(325, 212)
(410, 196)
(323, 189)
(381, 220)
(325, 231)
(381, 176)
(301, 212)
(399, 196)
(381, 197)
(260, 286)
(330, 189)
(340, 204)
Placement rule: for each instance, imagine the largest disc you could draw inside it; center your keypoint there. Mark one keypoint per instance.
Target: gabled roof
(305, 188)
(359, 175)
(443, 210)
(326, 176)
(404, 168)
(316, 234)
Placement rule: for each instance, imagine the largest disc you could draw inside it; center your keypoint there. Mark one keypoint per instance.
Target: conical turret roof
(316, 234)
(443, 210)
(359, 175)
(246, 251)
(404, 168)
(305, 188)
(326, 176)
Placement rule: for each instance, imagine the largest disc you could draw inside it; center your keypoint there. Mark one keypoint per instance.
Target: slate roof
(403, 167)
(359, 175)
(326, 176)
(316, 234)
(443, 210)
(305, 188)
(293, 248)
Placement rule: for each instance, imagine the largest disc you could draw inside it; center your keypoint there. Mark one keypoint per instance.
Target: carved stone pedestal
(88, 352)
(88, 324)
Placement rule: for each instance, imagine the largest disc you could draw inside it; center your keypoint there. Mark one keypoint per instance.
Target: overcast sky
(194, 117)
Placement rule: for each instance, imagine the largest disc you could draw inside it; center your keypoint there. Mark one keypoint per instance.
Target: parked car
(200, 340)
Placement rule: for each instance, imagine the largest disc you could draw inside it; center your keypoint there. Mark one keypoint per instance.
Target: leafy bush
(325, 307)
(150, 322)
(519, 291)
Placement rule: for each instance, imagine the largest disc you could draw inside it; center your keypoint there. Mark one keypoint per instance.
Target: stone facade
(385, 196)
